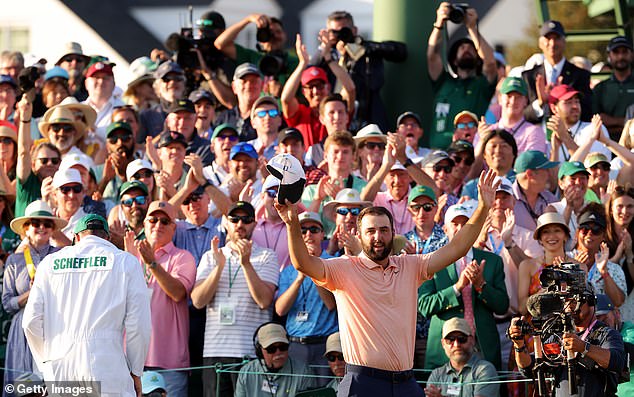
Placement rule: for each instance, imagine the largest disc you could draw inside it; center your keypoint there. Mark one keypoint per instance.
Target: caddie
(83, 299)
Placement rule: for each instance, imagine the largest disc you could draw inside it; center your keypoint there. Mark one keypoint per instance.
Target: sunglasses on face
(46, 160)
(470, 124)
(62, 127)
(467, 160)
(375, 145)
(125, 138)
(334, 357)
(318, 86)
(593, 228)
(231, 138)
(75, 188)
(194, 198)
(601, 166)
(174, 77)
(140, 200)
(36, 223)
(271, 112)
(461, 339)
(6, 140)
(312, 230)
(446, 168)
(143, 174)
(164, 221)
(71, 58)
(246, 219)
(271, 193)
(427, 207)
(274, 348)
(345, 211)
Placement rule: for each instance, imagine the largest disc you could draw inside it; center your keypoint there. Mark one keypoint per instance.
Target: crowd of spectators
(175, 160)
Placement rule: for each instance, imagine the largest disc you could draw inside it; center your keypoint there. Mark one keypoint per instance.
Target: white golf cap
(463, 209)
(135, 166)
(65, 177)
(290, 172)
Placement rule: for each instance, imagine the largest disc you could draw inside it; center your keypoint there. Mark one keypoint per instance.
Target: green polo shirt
(627, 389)
(466, 382)
(26, 192)
(452, 96)
(612, 96)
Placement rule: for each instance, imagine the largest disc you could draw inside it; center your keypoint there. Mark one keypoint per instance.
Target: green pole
(407, 86)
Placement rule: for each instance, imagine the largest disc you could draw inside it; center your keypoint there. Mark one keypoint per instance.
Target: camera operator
(598, 348)
(363, 60)
(474, 77)
(271, 57)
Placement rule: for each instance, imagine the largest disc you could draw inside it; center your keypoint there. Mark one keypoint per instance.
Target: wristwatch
(585, 350)
(152, 265)
(408, 163)
(520, 349)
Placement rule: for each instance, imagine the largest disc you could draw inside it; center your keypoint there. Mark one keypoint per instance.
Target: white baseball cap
(65, 177)
(290, 172)
(466, 208)
(135, 166)
(73, 159)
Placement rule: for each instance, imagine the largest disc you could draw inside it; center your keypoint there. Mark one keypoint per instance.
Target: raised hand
(145, 250)
(243, 248)
(287, 211)
(302, 53)
(601, 258)
(487, 187)
(246, 194)
(597, 124)
(219, 257)
(507, 228)
(129, 243)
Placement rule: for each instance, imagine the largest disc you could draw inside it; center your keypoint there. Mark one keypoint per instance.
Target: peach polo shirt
(377, 308)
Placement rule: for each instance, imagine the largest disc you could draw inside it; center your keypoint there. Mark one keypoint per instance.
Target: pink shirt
(273, 236)
(403, 221)
(170, 320)
(527, 136)
(377, 308)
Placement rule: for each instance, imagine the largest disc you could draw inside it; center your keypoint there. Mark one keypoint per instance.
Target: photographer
(271, 57)
(472, 82)
(598, 349)
(363, 60)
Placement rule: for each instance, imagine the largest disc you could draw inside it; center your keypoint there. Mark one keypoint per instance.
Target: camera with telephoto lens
(566, 290)
(344, 34)
(457, 12)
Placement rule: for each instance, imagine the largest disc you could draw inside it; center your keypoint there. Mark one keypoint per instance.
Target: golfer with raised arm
(376, 294)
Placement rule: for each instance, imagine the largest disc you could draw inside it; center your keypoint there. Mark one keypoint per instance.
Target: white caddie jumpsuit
(83, 299)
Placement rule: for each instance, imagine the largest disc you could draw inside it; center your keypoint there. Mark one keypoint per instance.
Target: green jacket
(438, 301)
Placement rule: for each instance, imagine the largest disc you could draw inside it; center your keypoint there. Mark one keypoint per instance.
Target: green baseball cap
(421, 190)
(570, 168)
(595, 158)
(514, 84)
(222, 127)
(91, 222)
(118, 125)
(533, 160)
(129, 185)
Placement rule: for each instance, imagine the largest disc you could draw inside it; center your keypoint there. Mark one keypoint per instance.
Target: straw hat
(344, 197)
(36, 210)
(90, 115)
(60, 115)
(550, 218)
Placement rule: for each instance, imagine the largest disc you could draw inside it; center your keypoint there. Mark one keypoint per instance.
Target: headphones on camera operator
(258, 347)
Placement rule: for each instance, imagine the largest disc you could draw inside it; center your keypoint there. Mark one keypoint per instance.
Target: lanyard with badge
(453, 389)
(227, 310)
(302, 315)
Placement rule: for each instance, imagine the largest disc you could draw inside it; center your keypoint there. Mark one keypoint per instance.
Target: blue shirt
(320, 321)
(470, 188)
(197, 239)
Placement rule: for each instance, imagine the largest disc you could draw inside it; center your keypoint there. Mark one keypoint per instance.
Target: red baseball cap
(561, 92)
(100, 67)
(314, 73)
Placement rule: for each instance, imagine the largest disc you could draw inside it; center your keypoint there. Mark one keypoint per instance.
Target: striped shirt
(235, 340)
